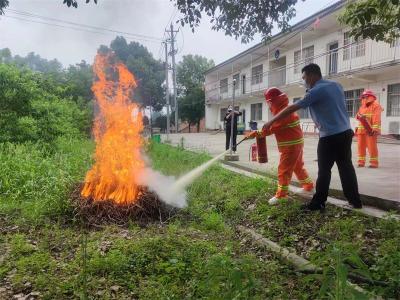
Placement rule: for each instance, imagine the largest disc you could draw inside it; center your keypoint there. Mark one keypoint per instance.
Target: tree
(190, 79)
(73, 83)
(375, 19)
(149, 72)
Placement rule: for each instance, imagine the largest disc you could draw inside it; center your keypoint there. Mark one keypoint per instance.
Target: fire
(117, 132)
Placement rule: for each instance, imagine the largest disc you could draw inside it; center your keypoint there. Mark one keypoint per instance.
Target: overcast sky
(143, 17)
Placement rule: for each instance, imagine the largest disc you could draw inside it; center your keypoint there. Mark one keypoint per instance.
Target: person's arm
(281, 115)
(376, 120)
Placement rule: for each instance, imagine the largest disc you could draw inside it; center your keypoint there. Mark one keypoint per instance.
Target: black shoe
(356, 205)
(312, 206)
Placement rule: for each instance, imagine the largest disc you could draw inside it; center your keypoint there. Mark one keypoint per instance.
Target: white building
(356, 65)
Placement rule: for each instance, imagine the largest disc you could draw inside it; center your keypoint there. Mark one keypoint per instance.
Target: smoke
(163, 186)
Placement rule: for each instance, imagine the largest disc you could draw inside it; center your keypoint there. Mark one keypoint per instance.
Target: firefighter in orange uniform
(371, 110)
(289, 137)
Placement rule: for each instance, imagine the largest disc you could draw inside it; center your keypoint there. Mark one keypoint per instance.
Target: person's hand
(266, 126)
(252, 135)
(374, 132)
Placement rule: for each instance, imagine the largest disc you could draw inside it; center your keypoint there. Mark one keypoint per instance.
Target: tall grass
(35, 178)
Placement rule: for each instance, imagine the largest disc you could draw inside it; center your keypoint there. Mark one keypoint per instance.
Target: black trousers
(228, 138)
(331, 149)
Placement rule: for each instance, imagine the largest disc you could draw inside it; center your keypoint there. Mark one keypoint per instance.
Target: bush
(28, 112)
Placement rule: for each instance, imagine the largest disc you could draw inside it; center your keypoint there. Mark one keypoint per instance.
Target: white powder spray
(169, 190)
(161, 185)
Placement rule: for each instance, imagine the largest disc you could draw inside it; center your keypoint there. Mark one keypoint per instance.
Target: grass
(198, 255)
(43, 251)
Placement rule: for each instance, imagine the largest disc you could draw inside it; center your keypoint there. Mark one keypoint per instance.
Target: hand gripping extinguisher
(364, 122)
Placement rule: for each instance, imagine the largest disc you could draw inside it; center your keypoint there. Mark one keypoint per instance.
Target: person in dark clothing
(228, 122)
(327, 105)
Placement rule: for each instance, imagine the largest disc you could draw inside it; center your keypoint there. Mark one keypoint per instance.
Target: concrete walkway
(383, 182)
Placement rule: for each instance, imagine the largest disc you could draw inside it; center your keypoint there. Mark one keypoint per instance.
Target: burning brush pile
(113, 190)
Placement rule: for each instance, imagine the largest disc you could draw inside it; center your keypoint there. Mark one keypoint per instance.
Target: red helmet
(367, 93)
(272, 93)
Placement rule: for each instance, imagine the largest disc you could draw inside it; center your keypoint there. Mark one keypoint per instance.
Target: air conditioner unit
(394, 127)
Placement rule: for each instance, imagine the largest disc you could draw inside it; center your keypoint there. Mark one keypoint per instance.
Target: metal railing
(344, 60)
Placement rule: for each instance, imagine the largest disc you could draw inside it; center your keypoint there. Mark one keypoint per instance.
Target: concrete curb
(379, 203)
(366, 210)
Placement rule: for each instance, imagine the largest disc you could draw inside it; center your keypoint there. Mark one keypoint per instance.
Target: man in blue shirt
(326, 102)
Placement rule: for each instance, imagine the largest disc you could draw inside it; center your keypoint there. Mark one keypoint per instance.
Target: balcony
(357, 57)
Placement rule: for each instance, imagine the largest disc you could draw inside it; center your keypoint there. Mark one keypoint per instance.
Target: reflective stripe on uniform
(292, 142)
(307, 180)
(373, 159)
(283, 187)
(293, 124)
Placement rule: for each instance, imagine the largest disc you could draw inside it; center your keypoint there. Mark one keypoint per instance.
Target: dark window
(393, 100)
(257, 74)
(353, 101)
(223, 86)
(256, 112)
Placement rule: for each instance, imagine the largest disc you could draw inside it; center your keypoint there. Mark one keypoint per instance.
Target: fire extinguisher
(262, 149)
(364, 123)
(253, 151)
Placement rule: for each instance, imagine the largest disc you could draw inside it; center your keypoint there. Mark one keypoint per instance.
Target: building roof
(300, 25)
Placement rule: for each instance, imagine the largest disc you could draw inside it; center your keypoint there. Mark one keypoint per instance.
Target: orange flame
(117, 129)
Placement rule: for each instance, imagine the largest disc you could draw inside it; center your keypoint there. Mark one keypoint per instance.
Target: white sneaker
(302, 192)
(273, 201)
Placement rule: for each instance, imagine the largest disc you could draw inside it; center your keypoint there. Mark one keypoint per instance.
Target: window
(236, 77)
(223, 86)
(308, 56)
(303, 113)
(256, 112)
(223, 113)
(356, 48)
(257, 74)
(393, 100)
(353, 101)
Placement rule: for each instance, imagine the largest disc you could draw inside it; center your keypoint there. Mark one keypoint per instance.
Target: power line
(76, 28)
(135, 35)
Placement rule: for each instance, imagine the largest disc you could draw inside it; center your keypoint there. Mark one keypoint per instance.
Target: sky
(139, 17)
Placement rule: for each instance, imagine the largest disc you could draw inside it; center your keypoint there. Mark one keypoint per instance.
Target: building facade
(355, 64)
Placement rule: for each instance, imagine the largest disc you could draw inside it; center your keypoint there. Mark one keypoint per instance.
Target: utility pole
(167, 88)
(172, 37)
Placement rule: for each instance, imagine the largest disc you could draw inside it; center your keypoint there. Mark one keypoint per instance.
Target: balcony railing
(344, 60)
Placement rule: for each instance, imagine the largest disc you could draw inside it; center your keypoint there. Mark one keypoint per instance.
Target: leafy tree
(375, 19)
(149, 72)
(190, 79)
(78, 81)
(29, 112)
(3, 4)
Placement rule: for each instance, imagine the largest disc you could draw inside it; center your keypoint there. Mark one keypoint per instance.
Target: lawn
(198, 254)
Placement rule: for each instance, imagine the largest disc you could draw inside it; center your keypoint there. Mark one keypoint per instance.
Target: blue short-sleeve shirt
(327, 107)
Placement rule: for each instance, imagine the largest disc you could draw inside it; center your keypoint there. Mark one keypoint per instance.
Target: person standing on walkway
(228, 123)
(326, 102)
(370, 110)
(289, 137)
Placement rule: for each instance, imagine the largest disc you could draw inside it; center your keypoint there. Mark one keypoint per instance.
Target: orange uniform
(289, 137)
(371, 109)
